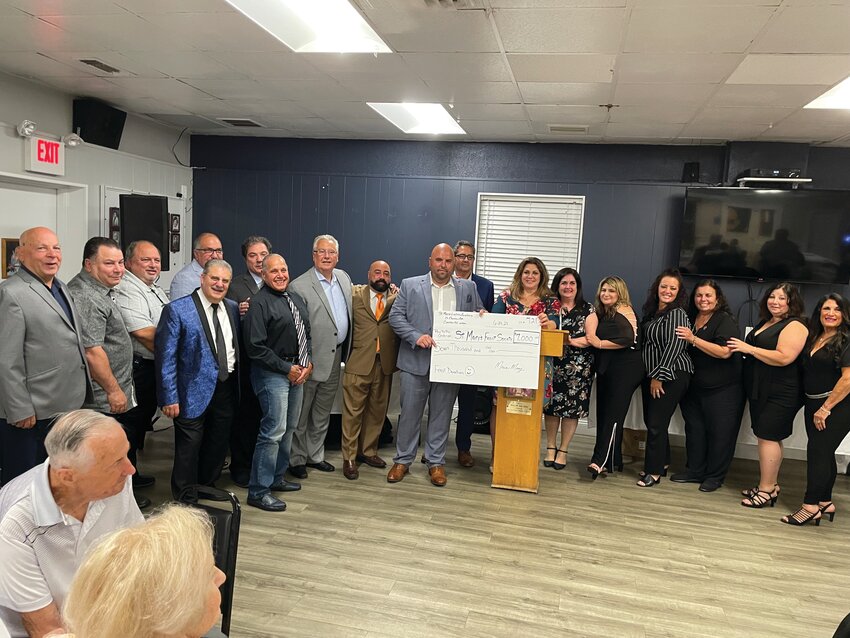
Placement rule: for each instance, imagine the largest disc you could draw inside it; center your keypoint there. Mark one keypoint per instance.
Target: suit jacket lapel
(202, 315)
(429, 301)
(233, 315)
(458, 293)
(252, 285)
(366, 297)
(320, 291)
(42, 292)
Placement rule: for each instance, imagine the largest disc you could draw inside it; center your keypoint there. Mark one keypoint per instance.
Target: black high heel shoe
(823, 510)
(761, 499)
(595, 471)
(555, 464)
(648, 480)
(803, 517)
(547, 463)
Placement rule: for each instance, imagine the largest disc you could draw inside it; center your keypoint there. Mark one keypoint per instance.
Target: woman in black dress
(714, 403)
(668, 368)
(572, 373)
(612, 331)
(772, 383)
(826, 379)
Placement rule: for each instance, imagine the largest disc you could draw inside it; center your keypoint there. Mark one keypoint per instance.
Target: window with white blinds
(513, 227)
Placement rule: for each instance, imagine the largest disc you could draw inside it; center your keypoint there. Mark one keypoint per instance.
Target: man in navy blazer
(464, 260)
(197, 356)
(412, 319)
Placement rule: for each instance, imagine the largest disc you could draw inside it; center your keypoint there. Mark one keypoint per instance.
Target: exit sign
(43, 155)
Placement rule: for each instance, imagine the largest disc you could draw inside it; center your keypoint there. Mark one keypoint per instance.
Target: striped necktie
(303, 358)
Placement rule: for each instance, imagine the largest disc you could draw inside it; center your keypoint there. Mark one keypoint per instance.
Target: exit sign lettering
(43, 155)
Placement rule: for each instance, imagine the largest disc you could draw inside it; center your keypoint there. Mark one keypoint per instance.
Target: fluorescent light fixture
(838, 97)
(314, 26)
(421, 118)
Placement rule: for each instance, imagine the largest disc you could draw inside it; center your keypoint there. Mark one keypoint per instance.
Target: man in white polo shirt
(52, 514)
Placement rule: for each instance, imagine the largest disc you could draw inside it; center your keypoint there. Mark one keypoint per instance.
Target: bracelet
(825, 409)
(694, 341)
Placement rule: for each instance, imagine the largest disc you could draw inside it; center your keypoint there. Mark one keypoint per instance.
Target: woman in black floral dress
(571, 374)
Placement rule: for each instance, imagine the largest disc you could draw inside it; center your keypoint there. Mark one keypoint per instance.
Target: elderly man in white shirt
(51, 515)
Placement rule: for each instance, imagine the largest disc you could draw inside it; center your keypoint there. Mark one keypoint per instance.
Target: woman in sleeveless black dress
(772, 383)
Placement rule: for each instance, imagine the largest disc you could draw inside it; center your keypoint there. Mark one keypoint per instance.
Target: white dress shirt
(226, 330)
(443, 297)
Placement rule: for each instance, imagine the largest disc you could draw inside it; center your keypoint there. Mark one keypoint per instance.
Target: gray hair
(329, 238)
(131, 249)
(197, 243)
(217, 263)
(462, 243)
(250, 240)
(269, 256)
(65, 443)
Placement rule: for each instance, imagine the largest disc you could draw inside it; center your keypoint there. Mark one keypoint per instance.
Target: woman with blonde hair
(156, 580)
(612, 331)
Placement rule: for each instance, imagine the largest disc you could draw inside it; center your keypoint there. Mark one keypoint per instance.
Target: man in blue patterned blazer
(197, 355)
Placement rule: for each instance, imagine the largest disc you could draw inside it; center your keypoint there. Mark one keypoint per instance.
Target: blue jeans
(280, 402)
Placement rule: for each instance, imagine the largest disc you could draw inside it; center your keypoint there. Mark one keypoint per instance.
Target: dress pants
(21, 449)
(614, 390)
(137, 422)
(416, 390)
(364, 408)
(308, 440)
(656, 415)
(821, 468)
(465, 417)
(712, 420)
(200, 444)
(243, 436)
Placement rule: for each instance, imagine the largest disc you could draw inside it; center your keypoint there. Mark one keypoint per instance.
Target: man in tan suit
(368, 372)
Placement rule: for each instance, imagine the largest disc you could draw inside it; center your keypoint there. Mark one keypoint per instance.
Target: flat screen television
(751, 233)
(145, 217)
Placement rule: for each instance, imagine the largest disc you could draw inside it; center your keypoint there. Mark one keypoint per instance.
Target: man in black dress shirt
(276, 333)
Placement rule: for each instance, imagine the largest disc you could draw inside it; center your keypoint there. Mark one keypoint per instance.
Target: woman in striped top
(668, 368)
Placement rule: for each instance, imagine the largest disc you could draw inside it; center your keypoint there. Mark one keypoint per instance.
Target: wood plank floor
(368, 559)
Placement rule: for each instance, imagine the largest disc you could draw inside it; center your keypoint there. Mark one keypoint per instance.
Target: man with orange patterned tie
(368, 373)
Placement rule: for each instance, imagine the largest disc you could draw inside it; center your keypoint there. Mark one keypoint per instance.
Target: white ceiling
(677, 71)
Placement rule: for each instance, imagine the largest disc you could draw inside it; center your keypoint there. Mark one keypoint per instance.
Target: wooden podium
(516, 455)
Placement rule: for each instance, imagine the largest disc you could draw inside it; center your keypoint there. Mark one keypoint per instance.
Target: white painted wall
(143, 164)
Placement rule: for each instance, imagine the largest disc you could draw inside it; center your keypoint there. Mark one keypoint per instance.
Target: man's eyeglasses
(465, 257)
(210, 251)
(325, 251)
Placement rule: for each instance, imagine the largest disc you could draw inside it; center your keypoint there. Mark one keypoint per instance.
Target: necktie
(379, 310)
(303, 358)
(220, 346)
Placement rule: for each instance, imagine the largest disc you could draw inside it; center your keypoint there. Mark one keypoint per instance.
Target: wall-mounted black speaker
(98, 123)
(690, 172)
(145, 217)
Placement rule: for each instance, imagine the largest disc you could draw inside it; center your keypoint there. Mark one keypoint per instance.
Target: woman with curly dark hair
(826, 380)
(668, 368)
(772, 382)
(714, 403)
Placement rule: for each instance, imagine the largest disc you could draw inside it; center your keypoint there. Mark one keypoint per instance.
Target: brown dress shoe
(349, 470)
(372, 461)
(438, 475)
(465, 458)
(397, 472)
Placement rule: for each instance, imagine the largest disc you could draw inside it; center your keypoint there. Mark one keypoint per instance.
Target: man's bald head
(379, 276)
(40, 253)
(442, 263)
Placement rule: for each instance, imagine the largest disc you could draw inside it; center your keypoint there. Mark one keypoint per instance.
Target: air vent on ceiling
(242, 122)
(568, 129)
(100, 65)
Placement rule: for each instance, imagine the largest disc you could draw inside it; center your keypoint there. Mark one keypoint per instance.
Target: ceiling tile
(658, 130)
(423, 30)
(65, 7)
(34, 65)
(560, 93)
(112, 31)
(275, 64)
(791, 69)
(186, 64)
(348, 64)
(743, 115)
(369, 126)
(322, 89)
(807, 29)
(560, 30)
(681, 67)
(213, 32)
(694, 29)
(167, 90)
(127, 66)
(555, 4)
(670, 113)
(238, 107)
(765, 95)
(577, 67)
(489, 112)
(477, 128)
(651, 94)
(410, 89)
(147, 105)
(172, 6)
(458, 67)
(476, 92)
(24, 33)
(337, 110)
(549, 114)
(811, 131)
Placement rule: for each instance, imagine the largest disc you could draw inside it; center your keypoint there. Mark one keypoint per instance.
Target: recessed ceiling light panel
(419, 118)
(314, 26)
(838, 97)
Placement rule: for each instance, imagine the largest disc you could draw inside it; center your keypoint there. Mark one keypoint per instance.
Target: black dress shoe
(322, 466)
(684, 477)
(298, 471)
(268, 503)
(708, 486)
(143, 480)
(142, 501)
(285, 486)
(239, 480)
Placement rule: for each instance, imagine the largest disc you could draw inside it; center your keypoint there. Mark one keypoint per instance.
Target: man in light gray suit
(327, 292)
(412, 319)
(46, 372)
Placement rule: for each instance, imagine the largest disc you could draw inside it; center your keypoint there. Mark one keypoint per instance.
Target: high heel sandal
(648, 480)
(595, 471)
(823, 510)
(760, 498)
(546, 462)
(555, 464)
(803, 517)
